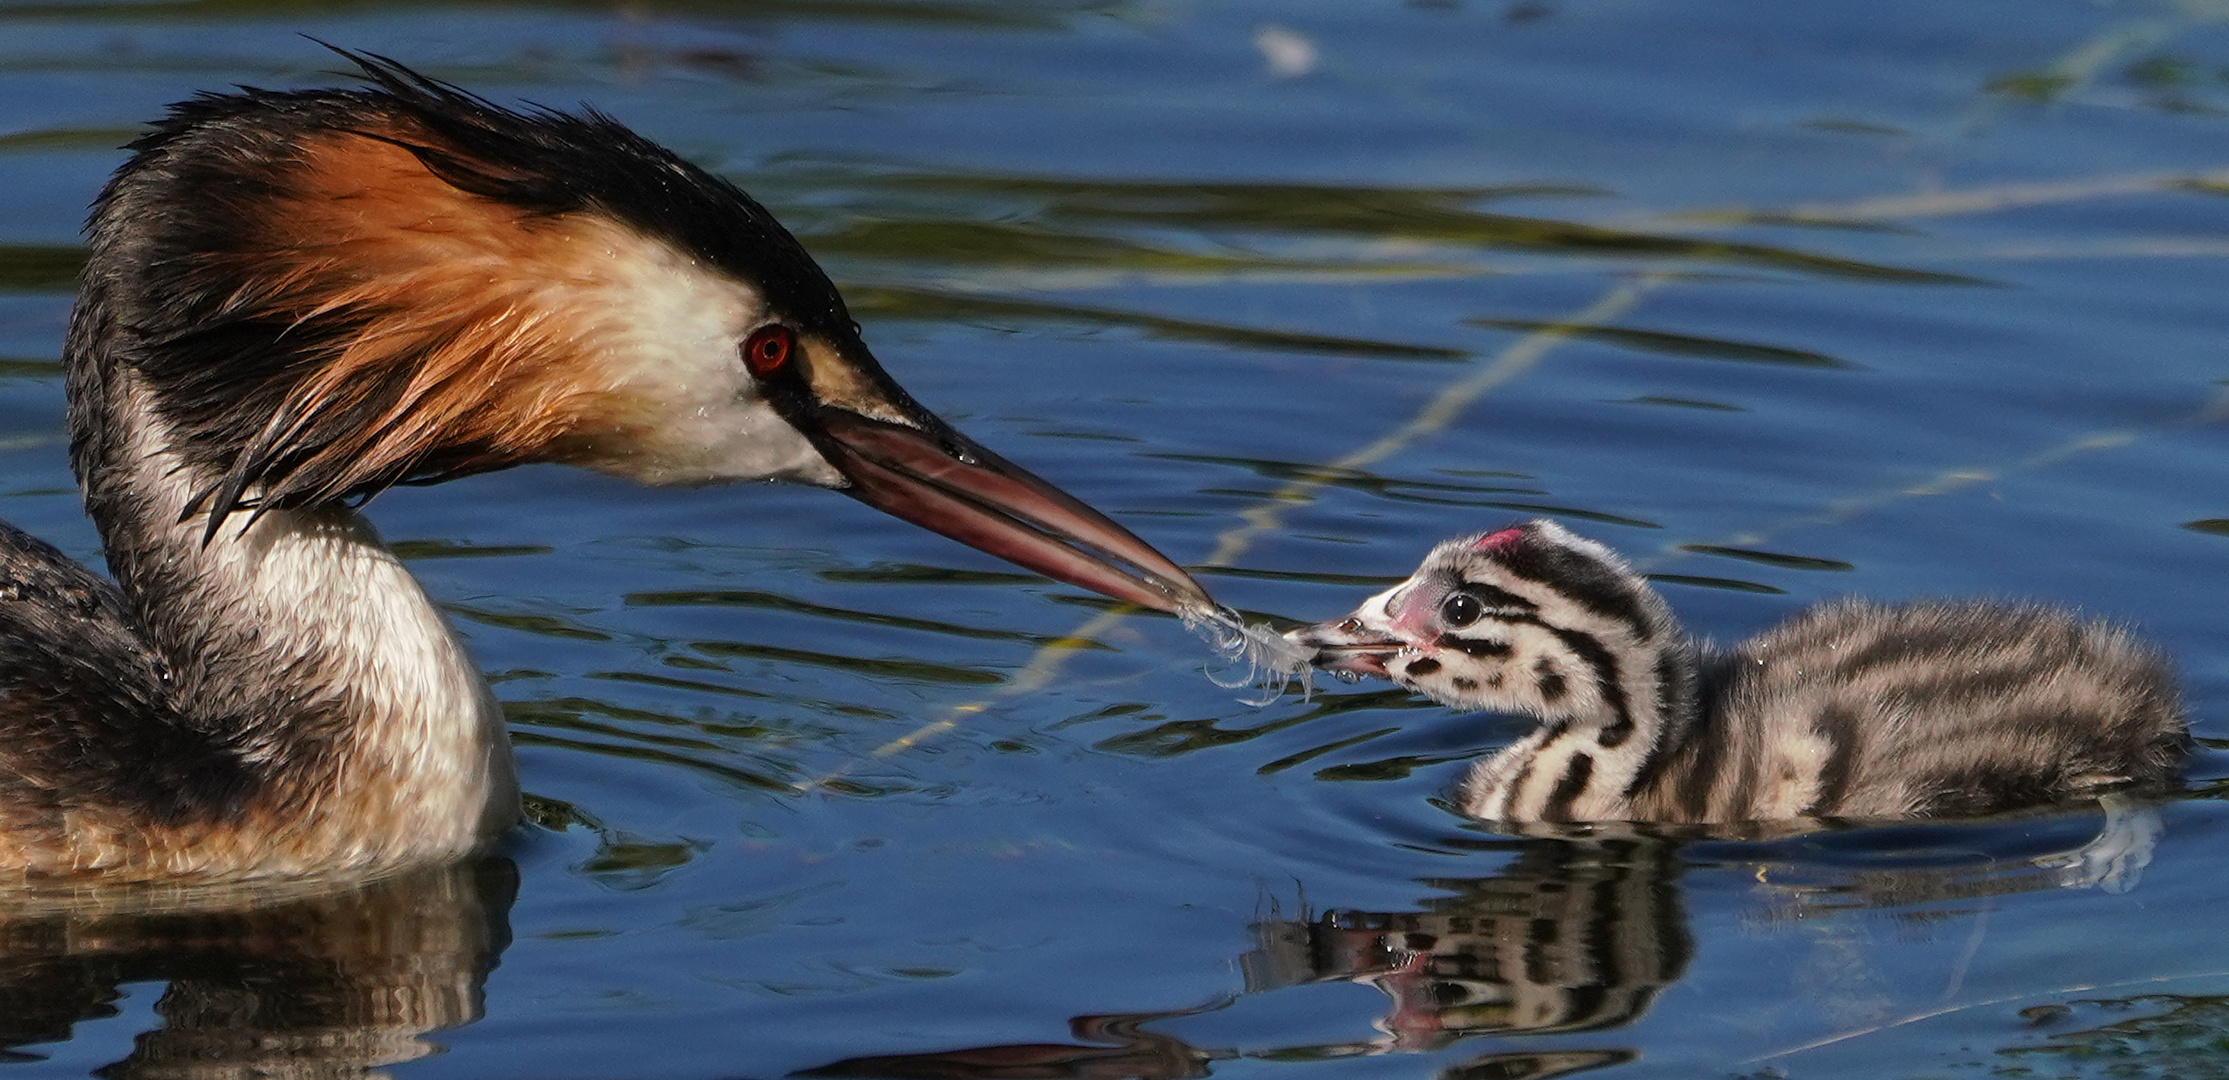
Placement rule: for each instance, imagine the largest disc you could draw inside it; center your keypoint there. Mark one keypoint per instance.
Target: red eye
(767, 350)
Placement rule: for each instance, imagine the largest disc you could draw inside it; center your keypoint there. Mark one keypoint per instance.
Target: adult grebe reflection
(320, 985)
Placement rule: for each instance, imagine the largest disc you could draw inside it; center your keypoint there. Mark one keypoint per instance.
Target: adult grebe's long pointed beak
(942, 481)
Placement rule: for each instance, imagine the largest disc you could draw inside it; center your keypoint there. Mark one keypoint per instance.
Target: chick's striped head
(1530, 619)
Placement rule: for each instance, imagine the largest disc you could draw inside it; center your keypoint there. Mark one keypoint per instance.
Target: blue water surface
(1788, 301)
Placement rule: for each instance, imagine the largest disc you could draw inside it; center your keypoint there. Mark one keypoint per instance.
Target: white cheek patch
(739, 438)
(661, 334)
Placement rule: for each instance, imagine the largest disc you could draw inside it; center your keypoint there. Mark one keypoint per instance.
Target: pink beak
(941, 480)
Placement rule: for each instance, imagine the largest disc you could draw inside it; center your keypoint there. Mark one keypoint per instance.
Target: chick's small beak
(940, 480)
(1348, 645)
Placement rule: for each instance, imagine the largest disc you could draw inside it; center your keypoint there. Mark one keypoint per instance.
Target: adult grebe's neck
(368, 737)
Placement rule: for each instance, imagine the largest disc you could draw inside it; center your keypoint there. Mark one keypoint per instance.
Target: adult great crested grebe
(297, 299)
(1850, 710)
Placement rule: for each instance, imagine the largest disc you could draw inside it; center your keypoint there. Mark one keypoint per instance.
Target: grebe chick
(295, 300)
(1850, 710)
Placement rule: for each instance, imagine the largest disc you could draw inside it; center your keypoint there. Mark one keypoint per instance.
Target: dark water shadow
(586, 726)
(1447, 216)
(424, 550)
(39, 140)
(1116, 1047)
(1171, 738)
(1726, 584)
(1010, 244)
(758, 600)
(911, 671)
(1360, 480)
(40, 267)
(931, 305)
(1666, 343)
(1776, 559)
(977, 14)
(16, 367)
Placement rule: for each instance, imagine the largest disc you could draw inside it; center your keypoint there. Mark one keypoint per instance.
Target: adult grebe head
(326, 293)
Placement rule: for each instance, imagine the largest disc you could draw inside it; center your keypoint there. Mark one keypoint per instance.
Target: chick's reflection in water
(322, 985)
(1573, 935)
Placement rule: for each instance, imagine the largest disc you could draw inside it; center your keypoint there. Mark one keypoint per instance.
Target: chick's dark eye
(766, 351)
(1461, 609)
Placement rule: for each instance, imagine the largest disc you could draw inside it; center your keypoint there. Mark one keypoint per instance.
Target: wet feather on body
(1851, 710)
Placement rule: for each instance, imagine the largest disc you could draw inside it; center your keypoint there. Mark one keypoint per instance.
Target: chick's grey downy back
(1938, 708)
